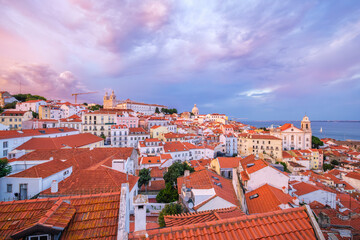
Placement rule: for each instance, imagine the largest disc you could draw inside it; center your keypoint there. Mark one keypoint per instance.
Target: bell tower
(306, 124)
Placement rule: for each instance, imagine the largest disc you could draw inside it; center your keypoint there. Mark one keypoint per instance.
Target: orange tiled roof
(206, 179)
(305, 188)
(101, 180)
(80, 217)
(33, 132)
(202, 216)
(268, 199)
(46, 154)
(354, 175)
(282, 224)
(229, 162)
(43, 170)
(77, 140)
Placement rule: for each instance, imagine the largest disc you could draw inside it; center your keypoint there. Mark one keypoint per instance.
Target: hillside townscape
(132, 170)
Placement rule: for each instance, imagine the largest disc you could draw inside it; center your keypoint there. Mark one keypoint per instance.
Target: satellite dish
(191, 204)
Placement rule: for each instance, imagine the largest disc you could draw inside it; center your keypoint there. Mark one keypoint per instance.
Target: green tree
(144, 177)
(103, 136)
(316, 142)
(176, 170)
(167, 195)
(171, 209)
(5, 168)
(1, 109)
(334, 162)
(28, 97)
(95, 108)
(35, 114)
(327, 167)
(157, 110)
(85, 104)
(10, 105)
(284, 164)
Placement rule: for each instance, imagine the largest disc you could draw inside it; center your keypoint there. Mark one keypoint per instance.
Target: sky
(250, 59)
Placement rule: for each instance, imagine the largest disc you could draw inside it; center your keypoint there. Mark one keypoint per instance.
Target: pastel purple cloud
(233, 56)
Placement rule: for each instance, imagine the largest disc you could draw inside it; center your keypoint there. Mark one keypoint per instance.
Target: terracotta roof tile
(4, 134)
(43, 170)
(77, 140)
(100, 180)
(229, 162)
(267, 198)
(202, 216)
(206, 179)
(282, 224)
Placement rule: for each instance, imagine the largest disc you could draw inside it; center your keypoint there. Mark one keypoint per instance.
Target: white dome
(195, 110)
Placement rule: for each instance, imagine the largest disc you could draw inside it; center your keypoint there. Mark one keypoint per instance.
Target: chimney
(187, 173)
(54, 186)
(51, 158)
(140, 202)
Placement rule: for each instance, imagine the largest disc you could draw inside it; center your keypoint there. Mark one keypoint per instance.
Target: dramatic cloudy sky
(251, 59)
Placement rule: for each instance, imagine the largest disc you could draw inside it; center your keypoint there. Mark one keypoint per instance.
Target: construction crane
(76, 94)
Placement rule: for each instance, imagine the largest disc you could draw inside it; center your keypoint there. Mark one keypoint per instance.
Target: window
(5, 144)
(39, 237)
(5, 153)
(9, 188)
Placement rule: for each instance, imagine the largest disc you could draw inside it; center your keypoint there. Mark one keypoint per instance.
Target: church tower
(109, 101)
(306, 124)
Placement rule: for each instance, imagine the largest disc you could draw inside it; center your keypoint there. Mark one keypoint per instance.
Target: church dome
(195, 110)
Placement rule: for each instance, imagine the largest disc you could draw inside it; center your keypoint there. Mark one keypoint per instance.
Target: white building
(293, 137)
(151, 146)
(255, 173)
(231, 144)
(110, 102)
(205, 190)
(136, 135)
(32, 105)
(119, 135)
(28, 183)
(308, 193)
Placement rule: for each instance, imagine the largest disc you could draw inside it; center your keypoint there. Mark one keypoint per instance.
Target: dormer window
(39, 237)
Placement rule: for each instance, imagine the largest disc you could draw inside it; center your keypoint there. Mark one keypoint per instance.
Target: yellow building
(44, 112)
(14, 118)
(157, 131)
(260, 145)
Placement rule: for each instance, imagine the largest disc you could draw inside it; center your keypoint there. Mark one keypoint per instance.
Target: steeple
(306, 124)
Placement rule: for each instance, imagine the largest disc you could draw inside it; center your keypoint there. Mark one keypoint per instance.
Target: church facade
(294, 138)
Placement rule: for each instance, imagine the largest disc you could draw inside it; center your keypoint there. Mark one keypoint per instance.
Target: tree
(176, 170)
(284, 164)
(5, 168)
(28, 97)
(144, 177)
(103, 136)
(10, 105)
(1, 110)
(316, 142)
(167, 195)
(335, 162)
(85, 104)
(96, 107)
(157, 110)
(35, 114)
(171, 209)
(327, 167)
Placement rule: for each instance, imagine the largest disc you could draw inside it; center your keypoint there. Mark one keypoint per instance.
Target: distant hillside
(28, 97)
